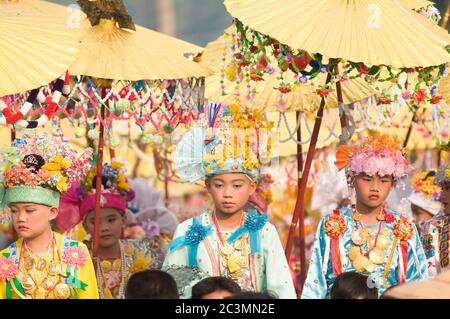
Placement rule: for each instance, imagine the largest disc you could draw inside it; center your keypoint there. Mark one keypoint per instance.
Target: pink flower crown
(376, 155)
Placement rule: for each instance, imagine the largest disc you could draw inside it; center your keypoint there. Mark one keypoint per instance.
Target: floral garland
(255, 50)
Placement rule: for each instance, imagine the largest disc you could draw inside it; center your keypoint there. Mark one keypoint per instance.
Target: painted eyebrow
(111, 215)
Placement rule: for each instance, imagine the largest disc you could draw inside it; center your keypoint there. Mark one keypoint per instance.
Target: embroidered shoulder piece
(335, 225)
(254, 222)
(195, 234)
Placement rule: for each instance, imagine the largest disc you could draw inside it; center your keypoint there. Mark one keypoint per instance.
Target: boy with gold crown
(367, 238)
(42, 264)
(118, 258)
(436, 232)
(228, 240)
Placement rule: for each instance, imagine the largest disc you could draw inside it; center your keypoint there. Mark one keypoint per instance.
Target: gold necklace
(364, 259)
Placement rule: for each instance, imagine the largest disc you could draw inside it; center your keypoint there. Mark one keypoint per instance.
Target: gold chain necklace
(368, 250)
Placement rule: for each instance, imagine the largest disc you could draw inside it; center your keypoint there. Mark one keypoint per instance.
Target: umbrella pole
(408, 134)
(300, 205)
(98, 182)
(301, 228)
(343, 117)
(166, 180)
(13, 133)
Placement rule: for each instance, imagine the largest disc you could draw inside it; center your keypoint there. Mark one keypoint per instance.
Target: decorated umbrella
(376, 40)
(118, 63)
(34, 52)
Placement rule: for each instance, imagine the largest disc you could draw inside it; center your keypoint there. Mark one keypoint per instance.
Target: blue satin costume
(320, 276)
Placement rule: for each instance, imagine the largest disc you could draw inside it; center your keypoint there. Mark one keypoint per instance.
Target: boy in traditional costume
(117, 258)
(367, 238)
(436, 232)
(425, 197)
(42, 264)
(228, 240)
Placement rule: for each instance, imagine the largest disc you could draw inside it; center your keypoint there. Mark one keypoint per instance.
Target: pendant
(376, 256)
(232, 263)
(354, 253)
(357, 239)
(39, 293)
(127, 250)
(362, 264)
(236, 275)
(106, 265)
(242, 261)
(48, 284)
(53, 268)
(62, 291)
(226, 249)
(28, 263)
(28, 283)
(240, 244)
(63, 269)
(356, 216)
(116, 264)
(41, 264)
(383, 242)
(225, 262)
(381, 216)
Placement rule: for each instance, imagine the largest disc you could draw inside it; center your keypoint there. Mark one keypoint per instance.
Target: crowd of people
(362, 249)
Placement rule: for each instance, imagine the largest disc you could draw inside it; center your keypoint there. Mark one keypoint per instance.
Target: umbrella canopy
(110, 52)
(68, 13)
(301, 98)
(376, 32)
(34, 52)
(417, 4)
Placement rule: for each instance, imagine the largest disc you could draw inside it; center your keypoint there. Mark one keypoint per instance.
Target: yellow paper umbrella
(77, 19)
(34, 52)
(109, 52)
(376, 32)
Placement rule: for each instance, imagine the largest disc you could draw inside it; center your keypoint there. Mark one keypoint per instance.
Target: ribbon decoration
(194, 235)
(334, 227)
(254, 222)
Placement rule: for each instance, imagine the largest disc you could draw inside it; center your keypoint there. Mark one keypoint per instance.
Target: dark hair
(211, 284)
(151, 284)
(252, 295)
(352, 285)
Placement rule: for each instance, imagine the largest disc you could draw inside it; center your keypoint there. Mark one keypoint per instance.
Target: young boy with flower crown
(117, 258)
(228, 241)
(425, 197)
(367, 238)
(436, 232)
(42, 264)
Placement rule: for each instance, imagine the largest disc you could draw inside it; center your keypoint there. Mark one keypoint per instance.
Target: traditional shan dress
(135, 255)
(65, 271)
(251, 255)
(436, 241)
(390, 252)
